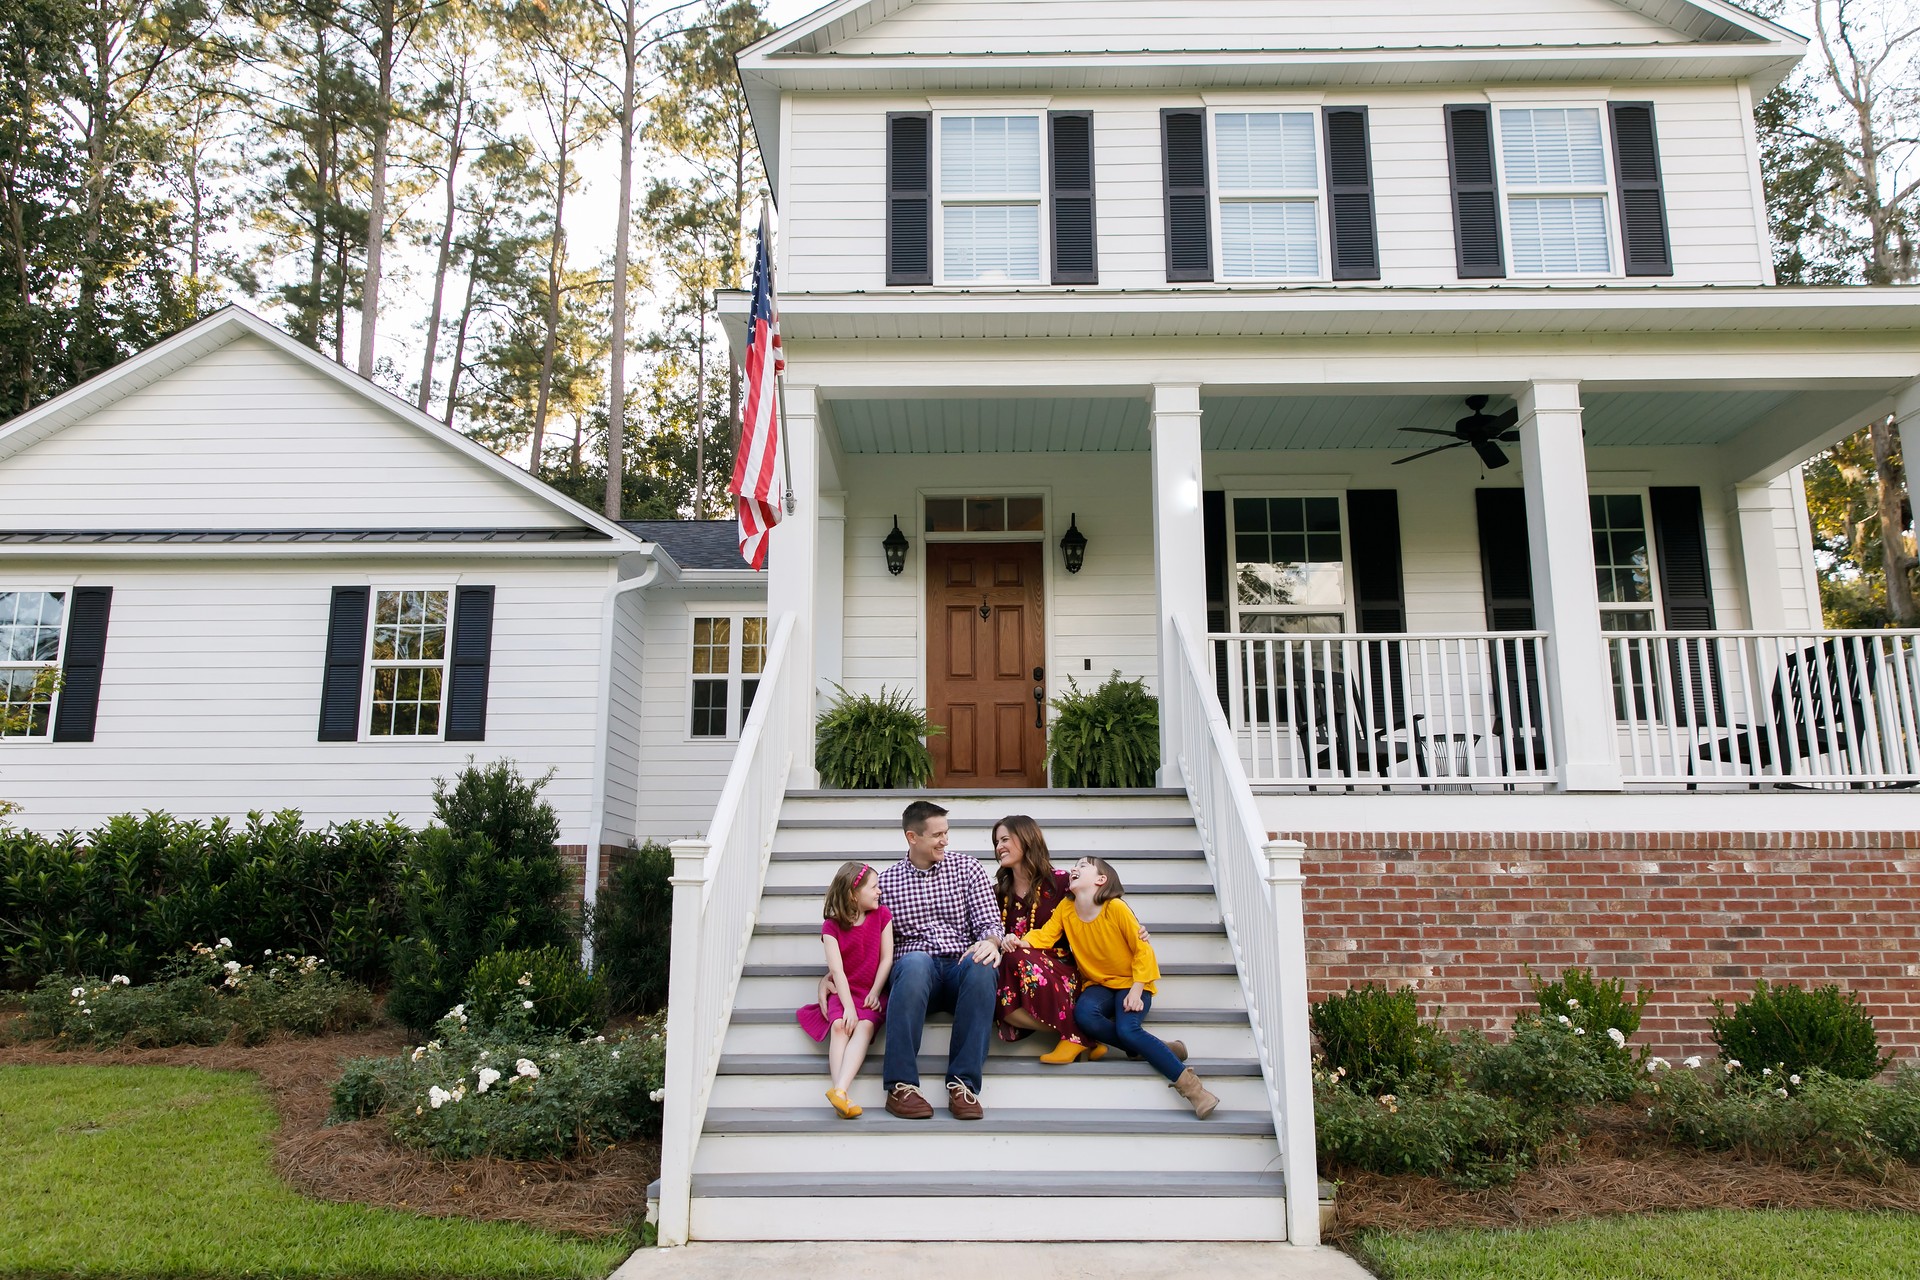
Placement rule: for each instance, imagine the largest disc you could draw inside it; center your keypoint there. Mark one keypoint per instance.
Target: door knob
(1039, 706)
(1039, 673)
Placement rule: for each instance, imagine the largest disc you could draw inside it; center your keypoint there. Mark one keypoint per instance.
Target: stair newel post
(688, 1039)
(1292, 1056)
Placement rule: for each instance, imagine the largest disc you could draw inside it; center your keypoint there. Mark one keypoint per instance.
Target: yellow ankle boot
(1064, 1052)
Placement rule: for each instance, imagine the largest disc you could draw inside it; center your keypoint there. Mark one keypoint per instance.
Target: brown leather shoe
(1178, 1048)
(963, 1102)
(906, 1101)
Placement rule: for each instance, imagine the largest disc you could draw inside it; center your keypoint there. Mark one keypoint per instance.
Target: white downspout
(602, 729)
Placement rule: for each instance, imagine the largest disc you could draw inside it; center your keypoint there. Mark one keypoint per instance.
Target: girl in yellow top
(1118, 974)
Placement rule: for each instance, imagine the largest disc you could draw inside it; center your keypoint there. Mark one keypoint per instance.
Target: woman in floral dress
(1037, 987)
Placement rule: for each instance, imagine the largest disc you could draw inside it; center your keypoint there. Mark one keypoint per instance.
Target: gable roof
(695, 544)
(233, 323)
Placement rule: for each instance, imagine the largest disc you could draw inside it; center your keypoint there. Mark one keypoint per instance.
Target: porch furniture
(1821, 706)
(1447, 755)
(1336, 731)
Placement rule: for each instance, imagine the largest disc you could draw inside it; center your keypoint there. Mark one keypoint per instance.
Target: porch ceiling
(1118, 424)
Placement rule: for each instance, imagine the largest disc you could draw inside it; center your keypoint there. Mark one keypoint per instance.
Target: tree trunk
(377, 197)
(556, 260)
(460, 333)
(454, 142)
(1894, 555)
(700, 413)
(622, 243)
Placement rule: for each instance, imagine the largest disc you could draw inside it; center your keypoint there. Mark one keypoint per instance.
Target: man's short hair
(917, 813)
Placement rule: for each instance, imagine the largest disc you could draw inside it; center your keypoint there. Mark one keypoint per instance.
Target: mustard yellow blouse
(1107, 948)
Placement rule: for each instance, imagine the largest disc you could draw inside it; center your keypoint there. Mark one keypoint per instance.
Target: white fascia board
(221, 328)
(753, 581)
(221, 551)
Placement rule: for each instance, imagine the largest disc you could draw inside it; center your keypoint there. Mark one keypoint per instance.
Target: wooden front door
(986, 650)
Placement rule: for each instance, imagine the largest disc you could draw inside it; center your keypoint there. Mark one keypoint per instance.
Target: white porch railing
(1423, 711)
(1830, 708)
(1259, 885)
(716, 895)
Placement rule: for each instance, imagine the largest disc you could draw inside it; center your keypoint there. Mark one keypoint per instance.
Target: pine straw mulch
(357, 1163)
(1617, 1167)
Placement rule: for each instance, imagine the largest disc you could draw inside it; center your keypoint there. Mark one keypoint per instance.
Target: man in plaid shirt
(946, 931)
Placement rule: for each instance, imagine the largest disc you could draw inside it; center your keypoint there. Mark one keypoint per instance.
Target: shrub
(509, 1092)
(631, 924)
(1461, 1135)
(489, 880)
(1551, 1065)
(1373, 1041)
(203, 997)
(548, 986)
(1107, 738)
(1795, 1032)
(1595, 1005)
(1813, 1120)
(865, 743)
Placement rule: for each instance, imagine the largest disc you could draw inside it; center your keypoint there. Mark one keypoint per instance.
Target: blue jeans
(1101, 1018)
(923, 984)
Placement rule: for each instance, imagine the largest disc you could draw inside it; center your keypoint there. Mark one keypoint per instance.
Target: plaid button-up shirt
(943, 910)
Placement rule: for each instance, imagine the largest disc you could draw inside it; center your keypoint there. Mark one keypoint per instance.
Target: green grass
(1718, 1245)
(164, 1171)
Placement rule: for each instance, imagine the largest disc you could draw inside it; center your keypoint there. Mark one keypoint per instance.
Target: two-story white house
(1398, 388)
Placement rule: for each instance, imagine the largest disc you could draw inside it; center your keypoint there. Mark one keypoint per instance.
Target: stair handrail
(717, 882)
(1259, 883)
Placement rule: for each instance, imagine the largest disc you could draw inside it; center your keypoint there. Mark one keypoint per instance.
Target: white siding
(246, 437)
(210, 696)
(624, 716)
(1095, 26)
(680, 775)
(835, 214)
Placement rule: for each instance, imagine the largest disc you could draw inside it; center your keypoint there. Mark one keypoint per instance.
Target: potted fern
(867, 743)
(1107, 738)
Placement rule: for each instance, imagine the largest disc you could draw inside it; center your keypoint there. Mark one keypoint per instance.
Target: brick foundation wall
(612, 857)
(1694, 915)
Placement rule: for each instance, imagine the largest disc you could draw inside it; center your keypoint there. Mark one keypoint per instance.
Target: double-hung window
(1289, 565)
(990, 193)
(1553, 172)
(30, 628)
(1629, 596)
(729, 652)
(1267, 171)
(407, 663)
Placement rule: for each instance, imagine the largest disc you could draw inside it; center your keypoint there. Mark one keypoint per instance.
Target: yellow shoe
(1064, 1052)
(847, 1108)
(1096, 1053)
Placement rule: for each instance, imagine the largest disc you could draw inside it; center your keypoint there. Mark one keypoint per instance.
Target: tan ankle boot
(1196, 1093)
(1178, 1048)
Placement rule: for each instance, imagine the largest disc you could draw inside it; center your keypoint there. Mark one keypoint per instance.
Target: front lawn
(1716, 1245)
(165, 1171)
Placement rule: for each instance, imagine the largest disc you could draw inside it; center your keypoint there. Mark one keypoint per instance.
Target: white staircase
(1091, 1150)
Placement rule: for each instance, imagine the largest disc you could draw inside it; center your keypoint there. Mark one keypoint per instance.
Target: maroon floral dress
(1041, 982)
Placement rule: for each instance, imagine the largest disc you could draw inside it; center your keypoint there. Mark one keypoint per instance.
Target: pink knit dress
(860, 954)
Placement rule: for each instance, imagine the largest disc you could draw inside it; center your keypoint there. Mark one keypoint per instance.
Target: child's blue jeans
(1101, 1018)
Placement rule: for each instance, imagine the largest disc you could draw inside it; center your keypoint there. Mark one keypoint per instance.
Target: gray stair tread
(985, 824)
(1119, 857)
(814, 970)
(1155, 927)
(1129, 1123)
(1114, 1064)
(995, 793)
(1200, 889)
(1183, 1017)
(1142, 1185)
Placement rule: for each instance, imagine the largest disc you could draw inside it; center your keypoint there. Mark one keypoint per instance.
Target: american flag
(754, 485)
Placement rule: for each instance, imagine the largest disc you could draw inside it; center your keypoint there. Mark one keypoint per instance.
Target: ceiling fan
(1484, 431)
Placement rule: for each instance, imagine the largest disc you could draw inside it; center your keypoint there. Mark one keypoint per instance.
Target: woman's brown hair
(1112, 888)
(840, 906)
(1033, 853)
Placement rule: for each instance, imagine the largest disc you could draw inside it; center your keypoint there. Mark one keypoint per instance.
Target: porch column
(793, 570)
(1179, 540)
(1553, 460)
(829, 596)
(1761, 511)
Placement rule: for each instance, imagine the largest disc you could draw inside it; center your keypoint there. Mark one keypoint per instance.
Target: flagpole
(779, 377)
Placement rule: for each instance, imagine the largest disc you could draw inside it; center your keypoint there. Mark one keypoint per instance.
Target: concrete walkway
(882, 1260)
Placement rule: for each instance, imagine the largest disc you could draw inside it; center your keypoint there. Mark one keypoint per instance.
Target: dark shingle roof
(694, 544)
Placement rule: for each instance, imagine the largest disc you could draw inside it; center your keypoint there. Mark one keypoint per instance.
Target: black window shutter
(1636, 175)
(346, 660)
(1506, 567)
(909, 197)
(1686, 596)
(1183, 148)
(1476, 198)
(1213, 524)
(1355, 240)
(472, 659)
(1373, 535)
(1070, 135)
(80, 664)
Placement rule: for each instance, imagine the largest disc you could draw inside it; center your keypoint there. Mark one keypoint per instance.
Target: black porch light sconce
(896, 548)
(1073, 544)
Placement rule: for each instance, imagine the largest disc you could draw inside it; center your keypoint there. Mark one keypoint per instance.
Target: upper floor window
(30, 629)
(1553, 165)
(408, 663)
(729, 652)
(989, 198)
(1268, 172)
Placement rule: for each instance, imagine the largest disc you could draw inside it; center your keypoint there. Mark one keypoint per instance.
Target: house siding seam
(1694, 915)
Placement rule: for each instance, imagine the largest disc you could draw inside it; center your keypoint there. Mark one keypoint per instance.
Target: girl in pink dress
(857, 934)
